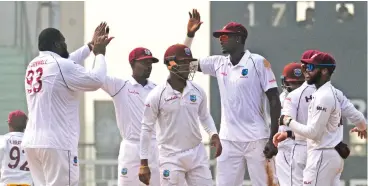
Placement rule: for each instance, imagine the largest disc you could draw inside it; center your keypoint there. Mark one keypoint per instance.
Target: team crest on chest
(244, 72)
(193, 98)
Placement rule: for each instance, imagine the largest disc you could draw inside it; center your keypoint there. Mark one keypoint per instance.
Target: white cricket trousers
(236, 156)
(283, 162)
(53, 167)
(298, 162)
(190, 166)
(129, 163)
(323, 168)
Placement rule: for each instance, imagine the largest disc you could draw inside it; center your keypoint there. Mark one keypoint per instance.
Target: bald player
(128, 96)
(53, 83)
(292, 77)
(14, 165)
(177, 106)
(246, 81)
(324, 129)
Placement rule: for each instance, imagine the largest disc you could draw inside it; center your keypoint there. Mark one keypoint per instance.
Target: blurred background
(280, 31)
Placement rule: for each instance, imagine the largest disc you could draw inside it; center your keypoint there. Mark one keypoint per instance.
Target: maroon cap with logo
(293, 72)
(180, 52)
(320, 58)
(17, 116)
(141, 53)
(232, 28)
(309, 53)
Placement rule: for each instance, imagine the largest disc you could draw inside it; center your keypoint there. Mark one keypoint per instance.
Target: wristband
(289, 133)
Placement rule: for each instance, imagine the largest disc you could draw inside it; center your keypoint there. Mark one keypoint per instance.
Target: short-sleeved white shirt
(128, 97)
(178, 116)
(242, 89)
(14, 165)
(53, 85)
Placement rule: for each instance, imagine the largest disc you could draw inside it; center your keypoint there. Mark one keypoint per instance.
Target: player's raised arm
(83, 52)
(79, 78)
(113, 85)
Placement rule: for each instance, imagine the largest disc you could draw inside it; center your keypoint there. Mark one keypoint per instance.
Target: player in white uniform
(292, 77)
(296, 106)
(325, 150)
(14, 166)
(245, 82)
(178, 105)
(53, 82)
(129, 96)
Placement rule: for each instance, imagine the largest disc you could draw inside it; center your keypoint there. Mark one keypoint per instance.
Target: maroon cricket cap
(16, 116)
(320, 58)
(232, 28)
(309, 53)
(293, 72)
(179, 51)
(141, 53)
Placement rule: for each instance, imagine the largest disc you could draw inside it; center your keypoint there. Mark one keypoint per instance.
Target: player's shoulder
(260, 61)
(196, 87)
(157, 91)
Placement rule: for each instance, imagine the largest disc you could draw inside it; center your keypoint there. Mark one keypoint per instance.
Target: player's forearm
(145, 140)
(275, 112)
(209, 125)
(354, 116)
(100, 70)
(188, 41)
(310, 132)
(80, 54)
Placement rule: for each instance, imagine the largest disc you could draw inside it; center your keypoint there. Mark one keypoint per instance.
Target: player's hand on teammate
(100, 30)
(279, 137)
(144, 174)
(270, 150)
(194, 23)
(215, 142)
(361, 134)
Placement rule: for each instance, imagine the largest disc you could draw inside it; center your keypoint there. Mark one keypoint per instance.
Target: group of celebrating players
(43, 147)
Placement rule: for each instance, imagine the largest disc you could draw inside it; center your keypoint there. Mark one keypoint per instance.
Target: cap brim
(155, 60)
(294, 80)
(186, 58)
(218, 33)
(308, 61)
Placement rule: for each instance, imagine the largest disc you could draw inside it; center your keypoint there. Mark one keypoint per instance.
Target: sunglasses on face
(310, 67)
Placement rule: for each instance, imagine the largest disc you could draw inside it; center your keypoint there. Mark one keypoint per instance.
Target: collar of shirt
(134, 83)
(324, 86)
(243, 60)
(187, 89)
(42, 53)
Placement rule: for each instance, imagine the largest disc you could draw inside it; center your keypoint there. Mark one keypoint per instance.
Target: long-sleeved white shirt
(128, 97)
(324, 116)
(52, 86)
(178, 115)
(296, 105)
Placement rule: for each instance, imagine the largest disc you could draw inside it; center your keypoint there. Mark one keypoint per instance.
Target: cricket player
(245, 81)
(292, 77)
(296, 106)
(14, 166)
(128, 96)
(53, 82)
(178, 105)
(325, 150)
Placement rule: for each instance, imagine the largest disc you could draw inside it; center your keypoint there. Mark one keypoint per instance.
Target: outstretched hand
(194, 23)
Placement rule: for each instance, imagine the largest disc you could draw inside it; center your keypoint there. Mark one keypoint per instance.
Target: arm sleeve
(78, 78)
(205, 117)
(148, 123)
(267, 77)
(317, 123)
(80, 54)
(2, 149)
(209, 65)
(350, 112)
(288, 109)
(188, 41)
(112, 85)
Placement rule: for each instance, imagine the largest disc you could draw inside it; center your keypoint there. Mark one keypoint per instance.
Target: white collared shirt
(128, 97)
(243, 99)
(52, 86)
(14, 166)
(324, 116)
(178, 116)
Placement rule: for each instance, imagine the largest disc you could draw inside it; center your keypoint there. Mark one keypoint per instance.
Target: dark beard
(315, 79)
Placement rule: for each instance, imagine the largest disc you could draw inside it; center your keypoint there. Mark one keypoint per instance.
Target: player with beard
(246, 81)
(292, 78)
(128, 97)
(53, 83)
(178, 105)
(323, 128)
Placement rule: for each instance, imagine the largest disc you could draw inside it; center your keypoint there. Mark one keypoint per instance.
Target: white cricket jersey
(14, 166)
(178, 116)
(287, 141)
(297, 102)
(128, 97)
(242, 89)
(324, 115)
(52, 86)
